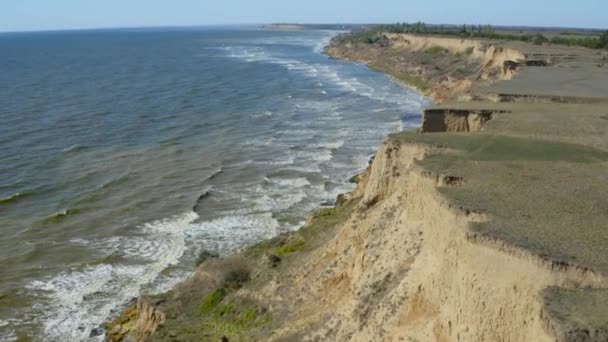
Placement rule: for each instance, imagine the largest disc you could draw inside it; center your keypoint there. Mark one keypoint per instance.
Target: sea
(124, 153)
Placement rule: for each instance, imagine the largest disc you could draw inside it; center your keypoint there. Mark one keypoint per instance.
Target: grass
(435, 50)
(325, 212)
(212, 300)
(491, 147)
(309, 236)
(233, 319)
(227, 312)
(578, 310)
(539, 194)
(291, 247)
(220, 313)
(409, 79)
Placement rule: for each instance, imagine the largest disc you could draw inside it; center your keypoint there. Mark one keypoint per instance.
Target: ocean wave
(308, 168)
(319, 156)
(291, 183)
(332, 145)
(279, 202)
(56, 217)
(74, 148)
(79, 300)
(228, 233)
(261, 115)
(215, 174)
(11, 198)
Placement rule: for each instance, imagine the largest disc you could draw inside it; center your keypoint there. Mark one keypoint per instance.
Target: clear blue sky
(25, 15)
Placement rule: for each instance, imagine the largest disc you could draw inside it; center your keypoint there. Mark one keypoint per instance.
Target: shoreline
(412, 251)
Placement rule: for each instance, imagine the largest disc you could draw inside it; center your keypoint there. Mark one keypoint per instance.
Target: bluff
(486, 225)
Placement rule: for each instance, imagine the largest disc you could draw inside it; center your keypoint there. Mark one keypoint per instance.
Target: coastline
(411, 252)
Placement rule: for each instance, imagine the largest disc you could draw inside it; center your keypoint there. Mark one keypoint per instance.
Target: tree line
(372, 35)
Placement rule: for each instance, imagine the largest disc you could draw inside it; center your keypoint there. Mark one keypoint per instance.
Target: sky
(32, 15)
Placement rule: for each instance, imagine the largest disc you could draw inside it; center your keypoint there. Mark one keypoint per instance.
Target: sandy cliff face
(442, 68)
(491, 57)
(404, 268)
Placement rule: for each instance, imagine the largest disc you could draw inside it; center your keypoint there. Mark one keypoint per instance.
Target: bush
(539, 39)
(236, 278)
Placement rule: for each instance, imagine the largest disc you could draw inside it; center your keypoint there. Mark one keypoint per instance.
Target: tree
(539, 39)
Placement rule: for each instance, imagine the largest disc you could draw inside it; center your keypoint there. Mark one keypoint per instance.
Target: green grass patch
(234, 318)
(435, 50)
(212, 300)
(320, 221)
(291, 247)
(324, 212)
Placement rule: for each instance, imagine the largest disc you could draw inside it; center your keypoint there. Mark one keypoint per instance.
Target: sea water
(124, 153)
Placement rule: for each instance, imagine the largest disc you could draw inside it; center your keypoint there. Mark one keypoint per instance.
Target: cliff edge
(487, 225)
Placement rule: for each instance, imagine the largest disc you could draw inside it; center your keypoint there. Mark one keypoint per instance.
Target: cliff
(488, 226)
(442, 68)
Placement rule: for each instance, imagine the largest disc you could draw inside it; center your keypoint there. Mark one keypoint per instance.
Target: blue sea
(124, 153)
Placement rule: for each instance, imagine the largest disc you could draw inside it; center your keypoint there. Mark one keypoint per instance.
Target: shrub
(236, 278)
(539, 39)
(325, 212)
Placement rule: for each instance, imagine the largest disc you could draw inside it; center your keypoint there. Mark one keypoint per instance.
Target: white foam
(8, 335)
(299, 182)
(261, 115)
(280, 202)
(80, 242)
(230, 232)
(318, 155)
(79, 300)
(330, 144)
(307, 168)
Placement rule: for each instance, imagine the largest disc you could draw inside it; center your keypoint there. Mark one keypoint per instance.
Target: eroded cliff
(496, 234)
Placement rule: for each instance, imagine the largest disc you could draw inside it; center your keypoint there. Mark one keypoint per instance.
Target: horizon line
(101, 28)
